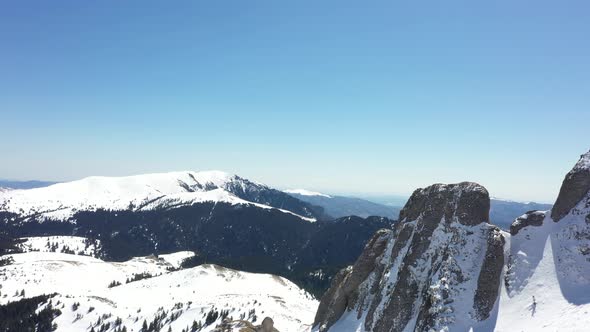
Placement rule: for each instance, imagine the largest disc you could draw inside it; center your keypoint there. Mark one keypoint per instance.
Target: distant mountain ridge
(502, 212)
(30, 184)
(341, 206)
(150, 191)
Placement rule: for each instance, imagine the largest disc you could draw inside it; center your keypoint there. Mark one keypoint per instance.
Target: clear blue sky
(338, 96)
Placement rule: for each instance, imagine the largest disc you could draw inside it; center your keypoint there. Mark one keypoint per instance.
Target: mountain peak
(574, 188)
(469, 202)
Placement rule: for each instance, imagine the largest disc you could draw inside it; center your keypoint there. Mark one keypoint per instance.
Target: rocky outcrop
(489, 278)
(467, 201)
(574, 188)
(442, 260)
(267, 325)
(344, 291)
(531, 218)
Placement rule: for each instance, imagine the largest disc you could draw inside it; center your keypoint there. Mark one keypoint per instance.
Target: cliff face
(440, 266)
(574, 188)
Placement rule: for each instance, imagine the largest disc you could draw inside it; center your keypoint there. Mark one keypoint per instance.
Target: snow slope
(552, 263)
(178, 297)
(139, 192)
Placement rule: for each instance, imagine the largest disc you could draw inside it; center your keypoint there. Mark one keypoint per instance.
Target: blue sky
(338, 96)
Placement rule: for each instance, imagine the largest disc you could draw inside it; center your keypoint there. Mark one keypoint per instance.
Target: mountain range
(210, 251)
(225, 219)
(320, 205)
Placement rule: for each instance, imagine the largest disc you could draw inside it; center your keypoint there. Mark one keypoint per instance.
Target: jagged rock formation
(442, 262)
(574, 188)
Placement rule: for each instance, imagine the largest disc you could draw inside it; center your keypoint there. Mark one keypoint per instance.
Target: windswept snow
(183, 296)
(305, 192)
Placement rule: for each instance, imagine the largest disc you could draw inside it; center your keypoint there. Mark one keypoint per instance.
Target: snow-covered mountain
(343, 206)
(444, 267)
(148, 191)
(92, 294)
(226, 219)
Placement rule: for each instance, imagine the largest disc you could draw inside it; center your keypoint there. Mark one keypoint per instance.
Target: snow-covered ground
(552, 263)
(138, 192)
(65, 244)
(179, 297)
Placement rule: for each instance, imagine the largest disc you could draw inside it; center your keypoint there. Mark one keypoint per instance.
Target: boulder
(530, 218)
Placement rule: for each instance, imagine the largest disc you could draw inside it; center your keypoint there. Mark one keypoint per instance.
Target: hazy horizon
(338, 97)
(385, 197)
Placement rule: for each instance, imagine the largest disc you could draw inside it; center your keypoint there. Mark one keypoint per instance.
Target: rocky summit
(574, 188)
(439, 266)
